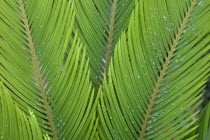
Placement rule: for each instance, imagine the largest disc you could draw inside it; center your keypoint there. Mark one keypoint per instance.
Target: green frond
(44, 67)
(15, 124)
(71, 97)
(109, 69)
(158, 70)
(204, 124)
(99, 24)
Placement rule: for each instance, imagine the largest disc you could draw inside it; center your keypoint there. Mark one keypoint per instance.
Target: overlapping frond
(44, 67)
(99, 24)
(149, 86)
(158, 70)
(204, 124)
(14, 123)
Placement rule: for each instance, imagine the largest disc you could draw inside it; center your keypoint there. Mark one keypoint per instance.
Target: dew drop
(200, 3)
(96, 25)
(164, 17)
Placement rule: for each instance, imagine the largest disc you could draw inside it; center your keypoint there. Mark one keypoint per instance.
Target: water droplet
(200, 3)
(23, 47)
(155, 33)
(96, 25)
(41, 26)
(139, 76)
(164, 17)
(173, 104)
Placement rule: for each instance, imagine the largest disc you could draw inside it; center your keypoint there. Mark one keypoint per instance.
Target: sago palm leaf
(100, 24)
(157, 73)
(204, 124)
(12, 118)
(44, 68)
(151, 68)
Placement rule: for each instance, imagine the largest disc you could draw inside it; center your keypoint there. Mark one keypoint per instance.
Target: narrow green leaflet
(103, 69)
(204, 124)
(158, 70)
(99, 24)
(43, 65)
(15, 125)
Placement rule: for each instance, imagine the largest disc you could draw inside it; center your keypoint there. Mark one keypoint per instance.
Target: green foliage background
(104, 69)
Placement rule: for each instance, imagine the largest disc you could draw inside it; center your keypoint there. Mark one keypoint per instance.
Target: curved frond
(14, 123)
(44, 67)
(100, 24)
(157, 73)
(204, 124)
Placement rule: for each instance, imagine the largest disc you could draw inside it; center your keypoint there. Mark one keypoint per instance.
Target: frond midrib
(164, 69)
(37, 71)
(110, 36)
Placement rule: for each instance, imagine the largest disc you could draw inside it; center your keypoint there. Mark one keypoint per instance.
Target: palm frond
(157, 73)
(44, 67)
(99, 24)
(14, 123)
(204, 124)
(149, 85)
